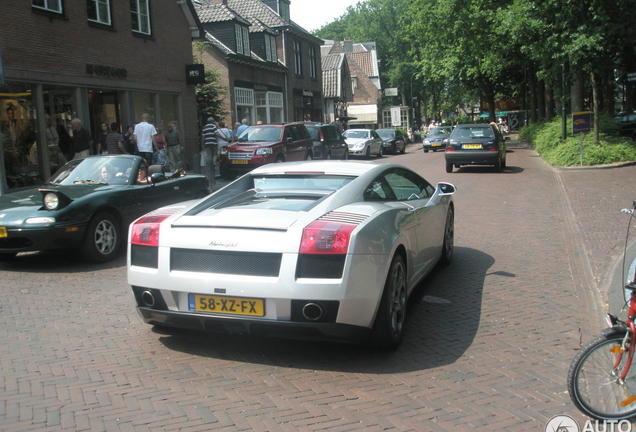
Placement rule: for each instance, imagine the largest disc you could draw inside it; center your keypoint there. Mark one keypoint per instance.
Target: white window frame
(99, 5)
(49, 6)
(238, 34)
(271, 53)
(142, 16)
(247, 50)
(243, 96)
(298, 58)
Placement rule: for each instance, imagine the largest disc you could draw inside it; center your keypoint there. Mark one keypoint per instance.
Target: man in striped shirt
(210, 145)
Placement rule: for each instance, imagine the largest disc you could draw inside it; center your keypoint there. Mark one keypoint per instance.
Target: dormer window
(242, 40)
(270, 48)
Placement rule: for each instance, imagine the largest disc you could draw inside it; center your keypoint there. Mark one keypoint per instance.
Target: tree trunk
(576, 89)
(597, 104)
(549, 102)
(532, 87)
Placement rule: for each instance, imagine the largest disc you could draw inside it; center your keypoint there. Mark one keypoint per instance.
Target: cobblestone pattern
(488, 343)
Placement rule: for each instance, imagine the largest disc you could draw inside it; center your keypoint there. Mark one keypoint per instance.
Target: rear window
(472, 132)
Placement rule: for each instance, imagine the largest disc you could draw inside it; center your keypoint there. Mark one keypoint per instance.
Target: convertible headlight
(39, 220)
(264, 151)
(51, 201)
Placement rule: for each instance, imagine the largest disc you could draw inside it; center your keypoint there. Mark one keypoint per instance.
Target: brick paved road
(487, 347)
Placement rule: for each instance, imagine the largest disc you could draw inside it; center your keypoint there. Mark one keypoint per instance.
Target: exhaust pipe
(312, 311)
(148, 298)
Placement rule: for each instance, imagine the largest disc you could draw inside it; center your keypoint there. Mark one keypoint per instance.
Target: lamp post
(411, 82)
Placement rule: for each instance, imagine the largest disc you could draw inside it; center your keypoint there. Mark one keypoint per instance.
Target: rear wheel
(346, 155)
(309, 156)
(449, 238)
(380, 152)
(328, 157)
(368, 155)
(425, 151)
(102, 240)
(449, 167)
(403, 148)
(594, 383)
(389, 321)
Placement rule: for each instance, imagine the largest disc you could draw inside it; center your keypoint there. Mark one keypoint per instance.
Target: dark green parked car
(89, 204)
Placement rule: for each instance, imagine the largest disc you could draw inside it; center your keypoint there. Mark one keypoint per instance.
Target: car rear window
(472, 132)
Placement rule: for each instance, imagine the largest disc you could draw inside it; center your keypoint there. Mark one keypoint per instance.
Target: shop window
(48, 5)
(98, 11)
(143, 103)
(140, 16)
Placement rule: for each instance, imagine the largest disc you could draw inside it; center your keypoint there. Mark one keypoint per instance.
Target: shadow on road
(57, 262)
(443, 318)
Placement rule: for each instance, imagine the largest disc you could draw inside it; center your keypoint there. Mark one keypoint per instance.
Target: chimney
(347, 45)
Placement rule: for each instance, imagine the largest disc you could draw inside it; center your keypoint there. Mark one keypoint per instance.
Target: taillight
(493, 149)
(145, 231)
(321, 135)
(450, 149)
(321, 237)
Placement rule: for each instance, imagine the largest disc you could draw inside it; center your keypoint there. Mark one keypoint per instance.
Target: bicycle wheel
(593, 381)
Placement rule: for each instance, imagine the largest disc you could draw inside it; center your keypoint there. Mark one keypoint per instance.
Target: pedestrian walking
(114, 140)
(174, 142)
(144, 135)
(210, 147)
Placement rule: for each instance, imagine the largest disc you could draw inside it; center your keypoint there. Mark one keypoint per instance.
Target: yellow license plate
(472, 146)
(3, 232)
(437, 145)
(239, 162)
(226, 305)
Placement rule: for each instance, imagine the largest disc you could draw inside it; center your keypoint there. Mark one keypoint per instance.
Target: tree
(210, 97)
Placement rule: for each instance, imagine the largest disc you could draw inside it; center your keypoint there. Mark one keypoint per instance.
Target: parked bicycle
(601, 380)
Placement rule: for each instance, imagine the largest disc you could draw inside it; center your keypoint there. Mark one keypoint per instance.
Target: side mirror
(157, 178)
(446, 188)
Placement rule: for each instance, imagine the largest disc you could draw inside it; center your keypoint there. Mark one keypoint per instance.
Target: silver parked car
(363, 142)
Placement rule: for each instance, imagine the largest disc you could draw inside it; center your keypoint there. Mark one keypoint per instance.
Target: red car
(263, 144)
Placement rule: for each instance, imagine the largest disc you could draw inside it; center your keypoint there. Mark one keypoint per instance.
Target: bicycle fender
(614, 331)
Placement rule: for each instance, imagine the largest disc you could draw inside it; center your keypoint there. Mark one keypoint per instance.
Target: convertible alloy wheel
(449, 238)
(389, 322)
(102, 239)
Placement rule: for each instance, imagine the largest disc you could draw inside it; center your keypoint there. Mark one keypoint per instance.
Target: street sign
(396, 117)
(452, 115)
(393, 91)
(581, 122)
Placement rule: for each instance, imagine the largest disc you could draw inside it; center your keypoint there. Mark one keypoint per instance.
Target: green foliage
(210, 98)
(546, 138)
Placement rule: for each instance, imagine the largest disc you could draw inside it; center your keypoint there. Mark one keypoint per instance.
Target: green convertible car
(89, 204)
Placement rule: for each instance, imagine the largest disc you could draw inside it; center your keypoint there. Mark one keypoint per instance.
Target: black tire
(425, 151)
(593, 384)
(7, 256)
(403, 148)
(389, 322)
(449, 238)
(346, 155)
(309, 156)
(279, 159)
(368, 155)
(328, 157)
(503, 164)
(449, 167)
(103, 239)
(380, 153)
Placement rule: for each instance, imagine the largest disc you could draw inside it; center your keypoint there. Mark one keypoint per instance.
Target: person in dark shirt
(81, 139)
(114, 140)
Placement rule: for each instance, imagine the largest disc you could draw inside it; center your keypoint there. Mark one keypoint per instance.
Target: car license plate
(226, 305)
(3, 232)
(239, 162)
(472, 146)
(437, 144)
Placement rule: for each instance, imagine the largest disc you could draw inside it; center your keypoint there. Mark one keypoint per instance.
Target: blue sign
(581, 122)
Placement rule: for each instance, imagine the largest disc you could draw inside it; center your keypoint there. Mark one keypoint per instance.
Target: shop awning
(484, 115)
(363, 113)
(502, 114)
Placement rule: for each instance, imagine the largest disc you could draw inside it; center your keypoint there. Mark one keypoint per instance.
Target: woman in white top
(224, 135)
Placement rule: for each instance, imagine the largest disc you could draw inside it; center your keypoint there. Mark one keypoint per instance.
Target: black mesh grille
(226, 262)
(144, 256)
(320, 266)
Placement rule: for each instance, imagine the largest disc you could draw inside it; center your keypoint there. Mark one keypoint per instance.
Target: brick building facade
(269, 66)
(101, 61)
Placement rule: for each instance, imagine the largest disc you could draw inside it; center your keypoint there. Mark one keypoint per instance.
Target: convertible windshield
(261, 133)
(95, 170)
(356, 134)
